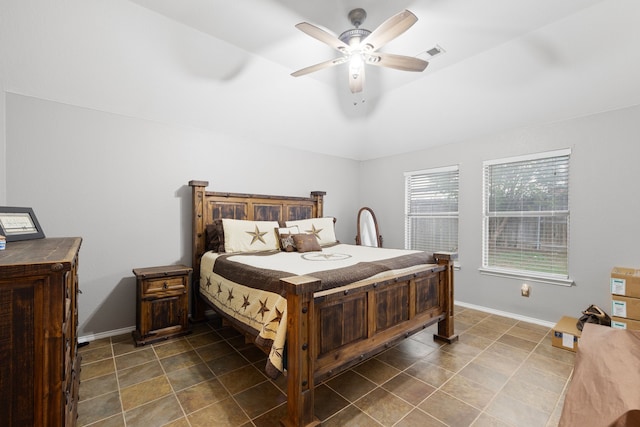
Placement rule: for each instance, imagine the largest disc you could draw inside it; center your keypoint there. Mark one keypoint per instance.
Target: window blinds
(526, 214)
(431, 211)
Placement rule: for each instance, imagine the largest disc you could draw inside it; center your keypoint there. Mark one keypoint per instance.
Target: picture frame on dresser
(18, 223)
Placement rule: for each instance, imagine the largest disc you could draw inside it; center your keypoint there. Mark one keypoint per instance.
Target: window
(526, 216)
(431, 210)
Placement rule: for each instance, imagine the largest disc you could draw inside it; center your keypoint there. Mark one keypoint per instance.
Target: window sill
(532, 277)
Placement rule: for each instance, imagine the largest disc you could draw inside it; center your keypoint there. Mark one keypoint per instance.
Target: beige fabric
(249, 236)
(322, 228)
(604, 388)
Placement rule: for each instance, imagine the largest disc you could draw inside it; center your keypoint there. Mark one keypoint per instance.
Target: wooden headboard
(208, 206)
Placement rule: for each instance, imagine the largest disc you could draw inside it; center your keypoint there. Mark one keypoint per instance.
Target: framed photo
(19, 224)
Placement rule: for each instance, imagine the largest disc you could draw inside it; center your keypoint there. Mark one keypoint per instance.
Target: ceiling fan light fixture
(356, 63)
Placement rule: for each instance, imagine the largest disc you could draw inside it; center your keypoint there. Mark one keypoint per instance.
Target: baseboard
(506, 314)
(115, 332)
(107, 334)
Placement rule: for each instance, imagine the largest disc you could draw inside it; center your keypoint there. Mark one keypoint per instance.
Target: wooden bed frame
(333, 330)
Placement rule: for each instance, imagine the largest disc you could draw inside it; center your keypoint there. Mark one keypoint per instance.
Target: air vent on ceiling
(434, 51)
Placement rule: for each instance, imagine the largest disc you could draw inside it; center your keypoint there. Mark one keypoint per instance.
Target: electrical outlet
(524, 290)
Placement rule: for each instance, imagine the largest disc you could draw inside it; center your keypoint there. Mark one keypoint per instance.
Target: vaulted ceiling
(226, 65)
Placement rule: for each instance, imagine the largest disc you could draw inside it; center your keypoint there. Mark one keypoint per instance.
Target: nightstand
(162, 303)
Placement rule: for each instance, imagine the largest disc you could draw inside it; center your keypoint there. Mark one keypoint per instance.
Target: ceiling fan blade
(389, 30)
(398, 62)
(322, 35)
(320, 66)
(356, 83)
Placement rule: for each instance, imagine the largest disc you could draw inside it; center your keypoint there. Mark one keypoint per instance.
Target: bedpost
(318, 196)
(301, 351)
(198, 243)
(445, 326)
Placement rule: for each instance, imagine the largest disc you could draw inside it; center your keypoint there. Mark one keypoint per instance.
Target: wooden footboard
(330, 332)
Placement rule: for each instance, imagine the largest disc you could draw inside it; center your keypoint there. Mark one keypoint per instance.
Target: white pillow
(249, 236)
(322, 228)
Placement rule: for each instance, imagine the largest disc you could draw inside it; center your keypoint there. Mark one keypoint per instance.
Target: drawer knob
(165, 285)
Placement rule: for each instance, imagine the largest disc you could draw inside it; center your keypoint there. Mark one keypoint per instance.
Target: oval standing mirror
(368, 233)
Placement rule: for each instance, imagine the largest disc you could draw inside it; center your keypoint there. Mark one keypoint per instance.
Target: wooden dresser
(39, 362)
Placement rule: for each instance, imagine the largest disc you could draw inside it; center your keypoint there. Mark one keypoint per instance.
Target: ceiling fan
(359, 46)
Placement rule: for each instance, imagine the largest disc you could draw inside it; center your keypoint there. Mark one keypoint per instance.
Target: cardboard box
(565, 334)
(625, 307)
(625, 281)
(624, 323)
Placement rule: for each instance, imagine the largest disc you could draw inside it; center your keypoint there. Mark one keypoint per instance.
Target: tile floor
(502, 372)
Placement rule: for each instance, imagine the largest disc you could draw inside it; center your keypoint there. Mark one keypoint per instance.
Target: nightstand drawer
(165, 286)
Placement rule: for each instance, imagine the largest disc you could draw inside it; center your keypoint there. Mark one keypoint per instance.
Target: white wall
(121, 184)
(604, 225)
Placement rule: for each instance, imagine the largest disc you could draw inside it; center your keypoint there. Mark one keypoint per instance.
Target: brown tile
(469, 315)
(526, 332)
(95, 354)
(98, 408)
(97, 386)
(415, 348)
(397, 359)
(498, 363)
(449, 361)
(547, 350)
(488, 377)
(543, 379)
(202, 395)
(486, 420)
(502, 319)
(183, 378)
(227, 332)
(449, 410)
(546, 364)
(351, 385)
(156, 413)
(327, 402)
(497, 324)
(383, 406)
(418, 418)
(468, 391)
(227, 363)
(271, 418)
(517, 342)
(463, 348)
(97, 369)
(257, 400)
(408, 388)
(200, 340)
(376, 371)
(136, 358)
(214, 351)
(532, 395)
(241, 379)
(137, 374)
(350, 416)
(122, 338)
(512, 353)
(427, 337)
(484, 331)
(479, 343)
(172, 348)
(180, 361)
(253, 354)
(429, 373)
(124, 347)
(180, 422)
(141, 393)
(92, 345)
(225, 413)
(113, 421)
(515, 412)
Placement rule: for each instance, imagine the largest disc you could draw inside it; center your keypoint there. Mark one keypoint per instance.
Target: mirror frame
(375, 223)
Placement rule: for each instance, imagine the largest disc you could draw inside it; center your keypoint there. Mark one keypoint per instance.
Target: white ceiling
(224, 65)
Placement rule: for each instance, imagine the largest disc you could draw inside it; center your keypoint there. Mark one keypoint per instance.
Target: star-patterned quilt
(247, 285)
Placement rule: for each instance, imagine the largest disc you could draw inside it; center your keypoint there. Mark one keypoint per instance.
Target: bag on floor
(593, 314)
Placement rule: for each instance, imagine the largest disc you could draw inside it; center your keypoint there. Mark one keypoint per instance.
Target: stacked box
(625, 298)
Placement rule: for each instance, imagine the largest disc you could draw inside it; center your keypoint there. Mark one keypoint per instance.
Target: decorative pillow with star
(322, 228)
(285, 236)
(249, 236)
